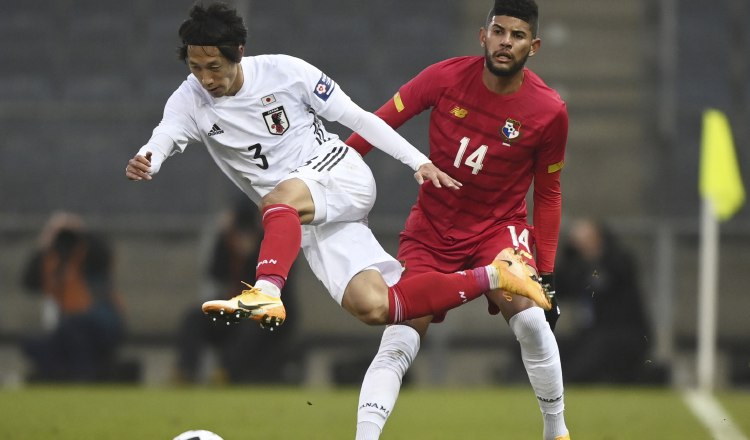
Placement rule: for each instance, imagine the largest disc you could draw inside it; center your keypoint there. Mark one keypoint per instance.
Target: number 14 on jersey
(473, 160)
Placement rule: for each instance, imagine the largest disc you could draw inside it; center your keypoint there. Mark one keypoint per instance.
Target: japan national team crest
(276, 120)
(511, 130)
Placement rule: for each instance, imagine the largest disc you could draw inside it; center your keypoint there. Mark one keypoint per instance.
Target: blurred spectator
(233, 257)
(74, 268)
(611, 339)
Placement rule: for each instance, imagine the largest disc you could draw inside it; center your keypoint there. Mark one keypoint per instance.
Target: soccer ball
(199, 434)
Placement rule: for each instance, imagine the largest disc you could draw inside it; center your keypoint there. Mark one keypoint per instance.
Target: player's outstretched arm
(375, 131)
(139, 167)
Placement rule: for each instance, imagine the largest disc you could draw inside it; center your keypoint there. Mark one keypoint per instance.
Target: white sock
(542, 361)
(380, 387)
(493, 274)
(268, 288)
(553, 424)
(368, 431)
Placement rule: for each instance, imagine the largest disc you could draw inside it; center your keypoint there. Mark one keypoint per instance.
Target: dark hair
(66, 242)
(214, 25)
(525, 10)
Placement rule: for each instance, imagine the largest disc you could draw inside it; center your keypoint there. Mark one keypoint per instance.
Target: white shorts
(338, 244)
(338, 251)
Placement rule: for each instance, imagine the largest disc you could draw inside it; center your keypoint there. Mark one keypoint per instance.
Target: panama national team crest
(511, 130)
(276, 120)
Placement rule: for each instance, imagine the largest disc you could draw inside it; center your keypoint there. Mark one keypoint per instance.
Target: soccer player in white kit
(258, 118)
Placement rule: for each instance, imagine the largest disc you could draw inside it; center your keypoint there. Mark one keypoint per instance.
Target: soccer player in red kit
(497, 128)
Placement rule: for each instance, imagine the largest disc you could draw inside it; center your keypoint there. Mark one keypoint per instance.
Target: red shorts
(419, 256)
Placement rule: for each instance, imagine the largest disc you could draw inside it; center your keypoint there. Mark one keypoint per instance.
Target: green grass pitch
(268, 413)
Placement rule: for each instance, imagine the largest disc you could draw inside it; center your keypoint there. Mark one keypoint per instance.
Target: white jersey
(271, 126)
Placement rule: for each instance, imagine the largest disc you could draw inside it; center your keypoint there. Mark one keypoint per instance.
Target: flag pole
(708, 288)
(722, 194)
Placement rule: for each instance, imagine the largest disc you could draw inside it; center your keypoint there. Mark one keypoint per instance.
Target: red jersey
(496, 145)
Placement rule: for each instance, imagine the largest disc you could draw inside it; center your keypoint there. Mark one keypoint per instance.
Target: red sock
(432, 292)
(282, 236)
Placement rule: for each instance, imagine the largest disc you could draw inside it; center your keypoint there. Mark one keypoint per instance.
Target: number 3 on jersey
(474, 160)
(263, 165)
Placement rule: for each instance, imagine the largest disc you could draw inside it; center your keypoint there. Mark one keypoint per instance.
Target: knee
(273, 198)
(292, 192)
(371, 312)
(530, 324)
(366, 297)
(398, 349)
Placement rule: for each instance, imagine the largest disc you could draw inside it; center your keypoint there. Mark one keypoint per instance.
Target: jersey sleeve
(411, 99)
(319, 91)
(175, 131)
(385, 138)
(547, 192)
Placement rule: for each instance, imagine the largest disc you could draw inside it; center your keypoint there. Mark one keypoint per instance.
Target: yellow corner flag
(720, 179)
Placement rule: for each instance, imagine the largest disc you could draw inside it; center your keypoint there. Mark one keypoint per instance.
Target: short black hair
(525, 10)
(214, 25)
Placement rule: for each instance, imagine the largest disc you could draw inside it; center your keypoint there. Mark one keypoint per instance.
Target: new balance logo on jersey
(459, 112)
(463, 297)
(215, 130)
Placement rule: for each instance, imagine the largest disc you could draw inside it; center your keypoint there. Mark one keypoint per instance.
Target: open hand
(429, 171)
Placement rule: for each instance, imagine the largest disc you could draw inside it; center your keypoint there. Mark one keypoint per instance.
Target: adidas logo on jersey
(215, 130)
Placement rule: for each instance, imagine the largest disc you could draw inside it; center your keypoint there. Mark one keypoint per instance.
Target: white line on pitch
(712, 415)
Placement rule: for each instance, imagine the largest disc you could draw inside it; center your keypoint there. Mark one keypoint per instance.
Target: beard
(508, 71)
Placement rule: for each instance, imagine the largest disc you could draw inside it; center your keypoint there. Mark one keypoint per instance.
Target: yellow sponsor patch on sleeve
(555, 167)
(397, 101)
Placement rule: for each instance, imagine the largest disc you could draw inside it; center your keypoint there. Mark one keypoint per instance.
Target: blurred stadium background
(84, 82)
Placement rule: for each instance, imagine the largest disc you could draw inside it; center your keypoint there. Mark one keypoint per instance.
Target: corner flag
(720, 180)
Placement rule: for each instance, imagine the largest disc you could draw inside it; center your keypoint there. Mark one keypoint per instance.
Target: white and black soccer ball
(198, 434)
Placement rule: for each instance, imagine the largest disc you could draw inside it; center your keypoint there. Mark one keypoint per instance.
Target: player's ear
(536, 44)
(482, 36)
(242, 50)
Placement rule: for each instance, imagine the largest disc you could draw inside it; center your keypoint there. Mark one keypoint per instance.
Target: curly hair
(525, 10)
(214, 25)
